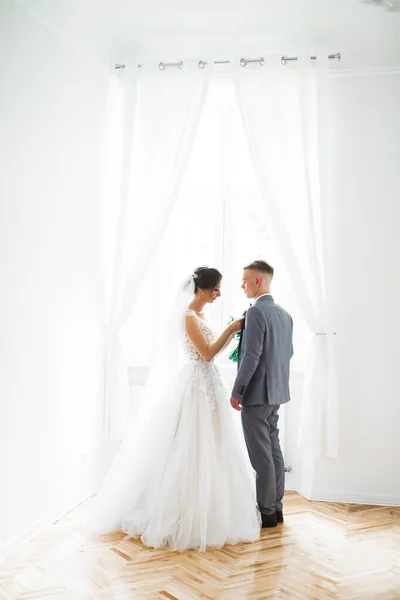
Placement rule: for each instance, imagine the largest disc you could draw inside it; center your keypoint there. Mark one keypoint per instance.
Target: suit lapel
(240, 342)
(241, 337)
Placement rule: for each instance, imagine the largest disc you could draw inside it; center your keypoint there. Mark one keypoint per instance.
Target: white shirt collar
(262, 296)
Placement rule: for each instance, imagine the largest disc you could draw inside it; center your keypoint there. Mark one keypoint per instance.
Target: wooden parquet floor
(323, 551)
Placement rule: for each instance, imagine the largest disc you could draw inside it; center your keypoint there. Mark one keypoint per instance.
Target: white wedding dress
(183, 479)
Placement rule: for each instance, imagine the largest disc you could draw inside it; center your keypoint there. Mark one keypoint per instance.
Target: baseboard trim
(366, 499)
(31, 532)
(371, 499)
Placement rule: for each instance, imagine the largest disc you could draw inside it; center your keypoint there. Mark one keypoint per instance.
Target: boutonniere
(234, 356)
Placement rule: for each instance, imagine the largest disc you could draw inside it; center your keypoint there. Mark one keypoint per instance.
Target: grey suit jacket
(264, 356)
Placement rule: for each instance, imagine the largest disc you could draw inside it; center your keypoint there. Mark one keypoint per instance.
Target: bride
(182, 479)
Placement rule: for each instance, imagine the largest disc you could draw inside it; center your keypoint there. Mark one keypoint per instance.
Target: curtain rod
(243, 62)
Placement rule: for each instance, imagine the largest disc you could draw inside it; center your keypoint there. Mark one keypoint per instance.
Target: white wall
(366, 245)
(52, 114)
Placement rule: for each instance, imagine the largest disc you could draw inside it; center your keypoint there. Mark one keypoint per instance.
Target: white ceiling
(125, 30)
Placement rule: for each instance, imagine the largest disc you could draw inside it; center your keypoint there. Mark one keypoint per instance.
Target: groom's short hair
(262, 266)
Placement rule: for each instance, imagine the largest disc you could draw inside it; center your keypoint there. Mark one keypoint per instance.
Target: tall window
(219, 220)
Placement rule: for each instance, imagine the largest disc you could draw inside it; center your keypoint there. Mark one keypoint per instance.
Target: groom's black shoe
(279, 516)
(269, 520)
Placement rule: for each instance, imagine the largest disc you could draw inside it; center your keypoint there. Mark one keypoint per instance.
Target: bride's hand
(236, 326)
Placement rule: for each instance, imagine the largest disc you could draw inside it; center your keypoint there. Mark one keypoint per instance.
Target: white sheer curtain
(285, 111)
(162, 114)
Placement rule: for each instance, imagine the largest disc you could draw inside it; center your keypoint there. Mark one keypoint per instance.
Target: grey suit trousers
(261, 433)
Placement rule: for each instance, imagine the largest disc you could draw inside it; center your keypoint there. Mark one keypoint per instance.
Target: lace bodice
(189, 350)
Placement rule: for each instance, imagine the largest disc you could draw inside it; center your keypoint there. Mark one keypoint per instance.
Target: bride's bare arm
(226, 343)
(209, 351)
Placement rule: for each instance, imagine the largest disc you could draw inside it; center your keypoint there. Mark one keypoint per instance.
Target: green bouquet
(234, 356)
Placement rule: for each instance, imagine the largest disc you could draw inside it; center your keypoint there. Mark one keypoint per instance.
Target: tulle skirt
(182, 479)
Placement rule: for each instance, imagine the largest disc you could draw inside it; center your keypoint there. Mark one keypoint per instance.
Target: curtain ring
(163, 65)
(245, 61)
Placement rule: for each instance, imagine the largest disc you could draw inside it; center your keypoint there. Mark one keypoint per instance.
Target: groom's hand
(235, 403)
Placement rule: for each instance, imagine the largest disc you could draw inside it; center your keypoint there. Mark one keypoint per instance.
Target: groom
(262, 385)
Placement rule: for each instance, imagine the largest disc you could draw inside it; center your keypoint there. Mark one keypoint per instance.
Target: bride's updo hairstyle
(206, 278)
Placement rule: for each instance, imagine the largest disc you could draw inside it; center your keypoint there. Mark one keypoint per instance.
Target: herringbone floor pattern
(323, 551)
